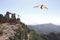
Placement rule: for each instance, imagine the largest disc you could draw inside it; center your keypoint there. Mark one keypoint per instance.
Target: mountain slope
(17, 32)
(11, 28)
(47, 31)
(45, 28)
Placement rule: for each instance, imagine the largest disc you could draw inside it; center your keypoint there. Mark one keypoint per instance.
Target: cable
(28, 20)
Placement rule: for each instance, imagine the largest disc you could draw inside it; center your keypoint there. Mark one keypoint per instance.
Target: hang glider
(40, 6)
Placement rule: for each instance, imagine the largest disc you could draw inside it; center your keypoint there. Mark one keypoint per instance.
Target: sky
(30, 15)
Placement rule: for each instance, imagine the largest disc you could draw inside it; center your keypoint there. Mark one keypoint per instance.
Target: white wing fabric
(38, 6)
(44, 7)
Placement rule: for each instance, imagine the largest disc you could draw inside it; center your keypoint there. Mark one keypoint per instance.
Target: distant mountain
(45, 28)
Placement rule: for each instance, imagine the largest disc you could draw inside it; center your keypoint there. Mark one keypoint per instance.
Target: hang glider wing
(44, 7)
(38, 6)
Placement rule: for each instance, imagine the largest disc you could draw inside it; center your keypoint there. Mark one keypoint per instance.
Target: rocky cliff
(13, 29)
(17, 32)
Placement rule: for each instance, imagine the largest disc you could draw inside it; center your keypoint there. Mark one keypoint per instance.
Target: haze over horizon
(30, 15)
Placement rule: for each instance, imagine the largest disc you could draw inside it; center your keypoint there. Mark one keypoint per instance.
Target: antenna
(18, 16)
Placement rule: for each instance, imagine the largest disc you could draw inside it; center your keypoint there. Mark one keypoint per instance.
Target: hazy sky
(30, 15)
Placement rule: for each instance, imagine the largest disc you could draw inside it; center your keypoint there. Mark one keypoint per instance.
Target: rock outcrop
(17, 32)
(14, 29)
(13, 32)
(6, 18)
